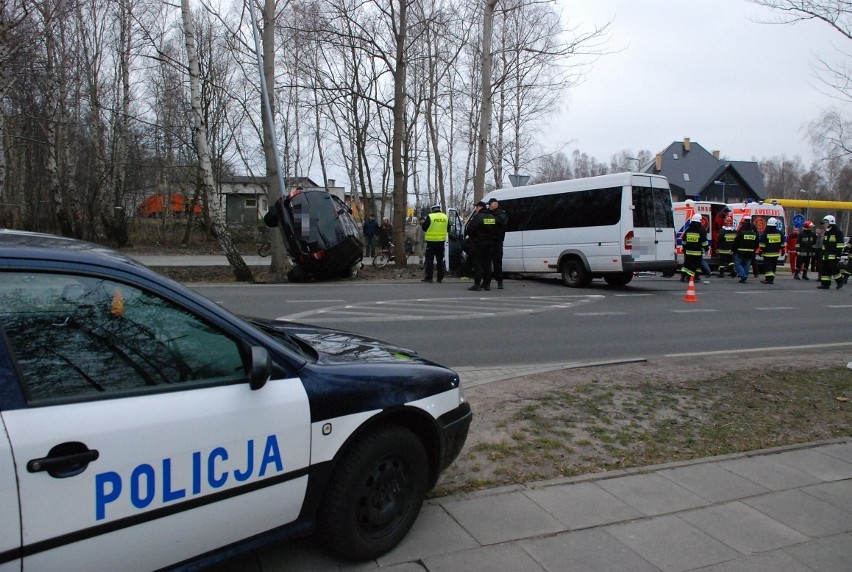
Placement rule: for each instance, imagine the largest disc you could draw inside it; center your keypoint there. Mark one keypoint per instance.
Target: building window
(251, 203)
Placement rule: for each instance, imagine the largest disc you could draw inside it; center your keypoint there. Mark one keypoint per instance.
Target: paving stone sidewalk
(786, 509)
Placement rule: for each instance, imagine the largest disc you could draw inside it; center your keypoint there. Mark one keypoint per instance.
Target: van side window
(652, 208)
(598, 207)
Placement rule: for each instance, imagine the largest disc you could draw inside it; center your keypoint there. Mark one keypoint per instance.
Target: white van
(599, 227)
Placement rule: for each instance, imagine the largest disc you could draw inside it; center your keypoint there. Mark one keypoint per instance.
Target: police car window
(79, 336)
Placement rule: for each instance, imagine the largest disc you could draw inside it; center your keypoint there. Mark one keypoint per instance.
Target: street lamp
(638, 162)
(808, 210)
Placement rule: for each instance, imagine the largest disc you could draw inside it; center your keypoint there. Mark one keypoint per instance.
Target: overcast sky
(703, 69)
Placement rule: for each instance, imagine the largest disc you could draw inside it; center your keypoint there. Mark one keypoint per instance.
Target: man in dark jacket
(745, 246)
(805, 250)
(371, 231)
(770, 245)
(501, 218)
(479, 233)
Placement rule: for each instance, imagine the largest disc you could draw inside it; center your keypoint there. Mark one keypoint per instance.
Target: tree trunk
(400, 190)
(242, 272)
(485, 109)
(280, 261)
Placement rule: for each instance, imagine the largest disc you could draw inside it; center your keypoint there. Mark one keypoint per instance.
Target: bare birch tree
(242, 272)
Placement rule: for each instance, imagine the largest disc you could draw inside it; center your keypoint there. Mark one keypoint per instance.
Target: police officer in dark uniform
(501, 218)
(479, 233)
(770, 245)
(745, 246)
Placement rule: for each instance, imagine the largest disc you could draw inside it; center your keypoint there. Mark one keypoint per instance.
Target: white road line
(776, 308)
(600, 313)
(695, 311)
(841, 306)
(754, 350)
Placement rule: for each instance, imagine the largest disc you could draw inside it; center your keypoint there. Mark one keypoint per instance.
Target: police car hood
(337, 347)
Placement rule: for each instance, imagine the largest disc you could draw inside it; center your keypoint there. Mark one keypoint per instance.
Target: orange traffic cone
(690, 291)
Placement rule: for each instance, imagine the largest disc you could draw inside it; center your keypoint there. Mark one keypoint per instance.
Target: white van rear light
(628, 241)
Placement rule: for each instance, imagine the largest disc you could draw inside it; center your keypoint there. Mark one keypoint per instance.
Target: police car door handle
(64, 460)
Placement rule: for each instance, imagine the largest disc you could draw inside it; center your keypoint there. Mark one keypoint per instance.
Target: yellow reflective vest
(437, 231)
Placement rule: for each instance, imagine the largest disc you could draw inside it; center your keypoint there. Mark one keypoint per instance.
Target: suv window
(80, 336)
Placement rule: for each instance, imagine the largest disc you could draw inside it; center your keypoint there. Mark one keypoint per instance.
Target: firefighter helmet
(695, 218)
(829, 219)
(808, 224)
(773, 222)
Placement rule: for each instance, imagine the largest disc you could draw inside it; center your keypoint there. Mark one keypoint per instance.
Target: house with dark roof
(695, 173)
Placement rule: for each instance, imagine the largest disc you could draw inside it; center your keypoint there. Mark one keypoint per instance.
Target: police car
(145, 427)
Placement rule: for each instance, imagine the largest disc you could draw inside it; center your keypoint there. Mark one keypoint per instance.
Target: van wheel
(619, 280)
(375, 493)
(574, 274)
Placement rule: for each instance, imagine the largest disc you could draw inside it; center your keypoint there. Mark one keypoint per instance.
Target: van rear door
(653, 223)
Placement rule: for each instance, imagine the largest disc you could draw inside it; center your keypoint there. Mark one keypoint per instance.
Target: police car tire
(375, 494)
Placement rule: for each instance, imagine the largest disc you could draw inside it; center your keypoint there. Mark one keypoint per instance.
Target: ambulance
(709, 211)
(760, 212)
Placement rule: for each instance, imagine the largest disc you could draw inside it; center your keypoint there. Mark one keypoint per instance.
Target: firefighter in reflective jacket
(805, 249)
(745, 246)
(832, 246)
(725, 248)
(770, 246)
(694, 246)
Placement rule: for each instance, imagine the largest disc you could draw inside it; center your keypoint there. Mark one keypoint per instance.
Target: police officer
(501, 218)
(805, 249)
(770, 245)
(725, 248)
(479, 232)
(832, 246)
(695, 244)
(744, 247)
(435, 227)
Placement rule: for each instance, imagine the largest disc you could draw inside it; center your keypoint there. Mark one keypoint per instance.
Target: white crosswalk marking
(461, 308)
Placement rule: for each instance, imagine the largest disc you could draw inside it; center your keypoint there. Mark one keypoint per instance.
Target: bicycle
(265, 249)
(385, 255)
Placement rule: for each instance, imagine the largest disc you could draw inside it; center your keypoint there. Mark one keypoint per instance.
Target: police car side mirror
(261, 367)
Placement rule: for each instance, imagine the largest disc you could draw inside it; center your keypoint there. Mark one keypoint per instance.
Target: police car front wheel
(375, 493)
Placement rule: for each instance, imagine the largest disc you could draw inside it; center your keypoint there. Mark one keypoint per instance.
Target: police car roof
(38, 246)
